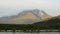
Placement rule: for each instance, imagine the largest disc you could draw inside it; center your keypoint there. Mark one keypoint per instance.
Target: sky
(12, 7)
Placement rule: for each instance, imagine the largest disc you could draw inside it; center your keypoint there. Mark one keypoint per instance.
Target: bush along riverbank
(29, 27)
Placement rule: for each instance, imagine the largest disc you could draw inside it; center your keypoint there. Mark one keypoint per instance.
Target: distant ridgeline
(26, 17)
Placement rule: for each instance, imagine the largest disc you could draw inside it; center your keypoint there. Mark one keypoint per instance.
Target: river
(30, 33)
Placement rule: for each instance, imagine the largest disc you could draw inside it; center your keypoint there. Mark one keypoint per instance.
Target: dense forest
(53, 23)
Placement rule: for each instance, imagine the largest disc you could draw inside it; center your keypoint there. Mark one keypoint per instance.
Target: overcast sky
(11, 7)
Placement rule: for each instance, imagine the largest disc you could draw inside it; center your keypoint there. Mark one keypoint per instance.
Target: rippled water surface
(30, 33)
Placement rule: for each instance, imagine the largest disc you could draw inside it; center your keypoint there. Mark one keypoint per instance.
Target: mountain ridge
(25, 17)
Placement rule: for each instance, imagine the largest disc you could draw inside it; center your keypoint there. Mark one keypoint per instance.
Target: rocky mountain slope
(25, 17)
(53, 21)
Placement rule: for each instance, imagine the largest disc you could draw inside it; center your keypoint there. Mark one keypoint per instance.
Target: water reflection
(30, 33)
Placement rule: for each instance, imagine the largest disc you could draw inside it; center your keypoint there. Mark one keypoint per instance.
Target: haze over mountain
(25, 17)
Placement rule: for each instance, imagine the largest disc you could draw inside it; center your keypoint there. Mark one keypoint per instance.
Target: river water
(30, 33)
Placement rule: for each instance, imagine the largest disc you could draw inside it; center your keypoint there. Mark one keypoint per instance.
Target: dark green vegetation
(50, 24)
(52, 21)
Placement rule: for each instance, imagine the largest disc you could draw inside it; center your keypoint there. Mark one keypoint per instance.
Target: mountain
(52, 21)
(44, 15)
(25, 17)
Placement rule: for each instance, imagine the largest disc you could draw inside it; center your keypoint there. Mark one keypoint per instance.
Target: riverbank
(30, 31)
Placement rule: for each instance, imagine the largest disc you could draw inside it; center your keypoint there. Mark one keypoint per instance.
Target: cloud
(24, 3)
(27, 4)
(48, 5)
